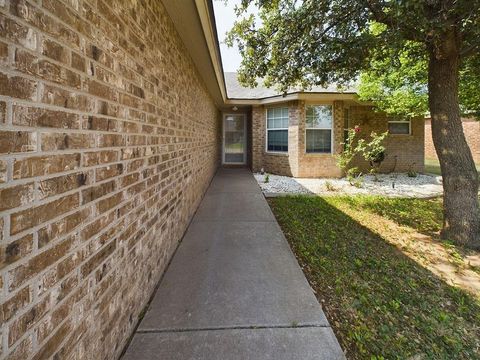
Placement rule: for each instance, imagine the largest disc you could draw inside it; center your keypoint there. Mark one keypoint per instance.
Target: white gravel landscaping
(394, 185)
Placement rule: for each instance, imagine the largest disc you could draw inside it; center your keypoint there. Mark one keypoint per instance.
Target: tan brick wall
(471, 129)
(404, 152)
(276, 163)
(320, 165)
(108, 140)
(296, 162)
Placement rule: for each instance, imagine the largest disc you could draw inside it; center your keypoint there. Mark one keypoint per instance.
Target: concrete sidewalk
(234, 289)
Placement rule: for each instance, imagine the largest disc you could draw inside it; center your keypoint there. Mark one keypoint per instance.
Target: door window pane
(234, 139)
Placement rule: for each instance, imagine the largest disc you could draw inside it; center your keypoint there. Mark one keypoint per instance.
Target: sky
(225, 17)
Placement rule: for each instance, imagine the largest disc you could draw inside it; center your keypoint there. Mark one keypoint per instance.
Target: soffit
(190, 19)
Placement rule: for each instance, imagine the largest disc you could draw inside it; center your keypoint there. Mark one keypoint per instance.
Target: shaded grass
(432, 166)
(381, 304)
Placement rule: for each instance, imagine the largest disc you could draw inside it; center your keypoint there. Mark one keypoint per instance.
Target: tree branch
(470, 50)
(388, 20)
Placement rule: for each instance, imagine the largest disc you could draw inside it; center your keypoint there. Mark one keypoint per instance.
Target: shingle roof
(236, 91)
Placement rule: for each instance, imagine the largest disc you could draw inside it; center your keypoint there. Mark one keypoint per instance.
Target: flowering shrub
(346, 157)
(373, 152)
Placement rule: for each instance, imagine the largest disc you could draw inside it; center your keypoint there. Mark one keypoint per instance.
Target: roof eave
(323, 96)
(212, 70)
(207, 19)
(195, 24)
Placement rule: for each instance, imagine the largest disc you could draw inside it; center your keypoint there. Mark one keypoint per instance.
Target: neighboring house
(112, 115)
(471, 129)
(298, 134)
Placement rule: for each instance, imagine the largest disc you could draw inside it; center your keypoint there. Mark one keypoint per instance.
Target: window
(318, 133)
(346, 124)
(277, 129)
(399, 127)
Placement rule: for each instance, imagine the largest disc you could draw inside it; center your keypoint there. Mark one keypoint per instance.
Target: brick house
(112, 116)
(299, 133)
(471, 129)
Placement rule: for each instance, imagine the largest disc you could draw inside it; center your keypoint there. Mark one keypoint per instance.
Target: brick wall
(404, 152)
(320, 165)
(296, 162)
(276, 163)
(471, 129)
(108, 140)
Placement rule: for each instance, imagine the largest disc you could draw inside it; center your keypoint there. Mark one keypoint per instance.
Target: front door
(234, 139)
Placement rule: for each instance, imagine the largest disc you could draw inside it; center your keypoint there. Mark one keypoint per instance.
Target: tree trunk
(461, 222)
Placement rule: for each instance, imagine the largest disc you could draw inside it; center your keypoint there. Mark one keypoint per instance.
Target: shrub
(412, 173)
(373, 152)
(329, 186)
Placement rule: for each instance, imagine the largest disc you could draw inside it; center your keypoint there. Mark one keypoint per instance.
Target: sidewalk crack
(246, 327)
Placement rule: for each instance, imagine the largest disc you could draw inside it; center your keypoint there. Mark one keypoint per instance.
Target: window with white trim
(399, 126)
(277, 129)
(318, 129)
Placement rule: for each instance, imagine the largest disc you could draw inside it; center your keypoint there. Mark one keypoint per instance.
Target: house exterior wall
(296, 162)
(277, 163)
(108, 140)
(320, 165)
(471, 129)
(404, 152)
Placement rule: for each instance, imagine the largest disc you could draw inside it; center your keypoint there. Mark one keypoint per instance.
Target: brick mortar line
(50, 130)
(50, 246)
(84, 115)
(81, 35)
(80, 228)
(58, 108)
(35, 154)
(68, 26)
(76, 209)
(78, 91)
(42, 201)
(35, 301)
(77, 248)
(92, 40)
(80, 208)
(83, 74)
(58, 130)
(40, 178)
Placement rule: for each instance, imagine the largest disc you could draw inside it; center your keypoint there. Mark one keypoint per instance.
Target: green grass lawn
(381, 303)
(432, 166)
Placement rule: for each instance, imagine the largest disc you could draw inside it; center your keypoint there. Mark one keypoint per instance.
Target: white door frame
(244, 139)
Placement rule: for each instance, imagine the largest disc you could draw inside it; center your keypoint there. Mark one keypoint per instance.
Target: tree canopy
(396, 82)
(379, 45)
(410, 55)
